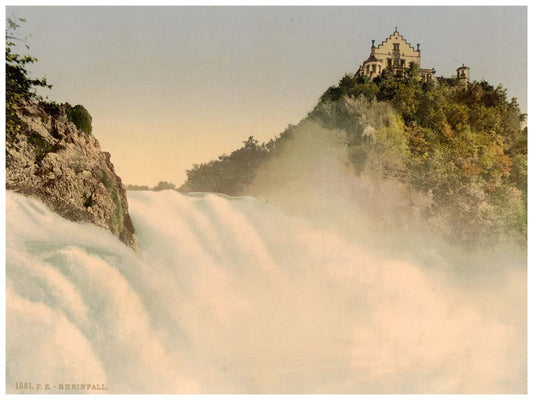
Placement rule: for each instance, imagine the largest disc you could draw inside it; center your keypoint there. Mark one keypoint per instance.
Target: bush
(164, 185)
(51, 108)
(80, 117)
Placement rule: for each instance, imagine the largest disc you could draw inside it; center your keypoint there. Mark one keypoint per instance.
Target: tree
(164, 185)
(413, 72)
(463, 148)
(19, 86)
(137, 187)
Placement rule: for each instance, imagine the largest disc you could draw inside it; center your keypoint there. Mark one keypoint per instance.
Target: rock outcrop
(51, 159)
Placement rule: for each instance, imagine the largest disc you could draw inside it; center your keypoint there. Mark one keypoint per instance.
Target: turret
(463, 74)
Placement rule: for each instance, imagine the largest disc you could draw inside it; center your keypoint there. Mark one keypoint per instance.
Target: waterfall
(234, 295)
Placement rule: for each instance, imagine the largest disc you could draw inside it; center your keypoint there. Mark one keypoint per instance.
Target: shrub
(164, 186)
(80, 117)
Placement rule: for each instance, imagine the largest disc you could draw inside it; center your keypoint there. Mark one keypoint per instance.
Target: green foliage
(51, 108)
(108, 183)
(137, 187)
(117, 217)
(231, 174)
(463, 146)
(80, 117)
(41, 146)
(20, 88)
(164, 186)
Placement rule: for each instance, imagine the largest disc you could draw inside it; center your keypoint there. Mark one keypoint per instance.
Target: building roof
(395, 34)
(372, 58)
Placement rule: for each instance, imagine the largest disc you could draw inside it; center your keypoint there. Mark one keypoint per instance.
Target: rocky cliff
(51, 159)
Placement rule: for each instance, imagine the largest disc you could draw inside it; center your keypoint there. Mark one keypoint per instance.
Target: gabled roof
(401, 38)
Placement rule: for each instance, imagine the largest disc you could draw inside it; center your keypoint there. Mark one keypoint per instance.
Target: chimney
(373, 48)
(418, 47)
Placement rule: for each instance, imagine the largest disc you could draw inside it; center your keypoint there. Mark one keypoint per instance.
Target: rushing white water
(233, 295)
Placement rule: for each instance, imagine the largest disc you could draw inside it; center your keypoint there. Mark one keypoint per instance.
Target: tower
(463, 74)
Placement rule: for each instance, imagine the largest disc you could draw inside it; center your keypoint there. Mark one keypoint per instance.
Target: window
(403, 62)
(396, 47)
(373, 67)
(367, 69)
(389, 62)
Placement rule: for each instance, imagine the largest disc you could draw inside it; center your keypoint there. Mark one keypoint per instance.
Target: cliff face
(51, 159)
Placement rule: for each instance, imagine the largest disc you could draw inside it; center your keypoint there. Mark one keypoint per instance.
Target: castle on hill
(396, 54)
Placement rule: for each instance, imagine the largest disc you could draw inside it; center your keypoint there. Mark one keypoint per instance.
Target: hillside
(463, 147)
(52, 155)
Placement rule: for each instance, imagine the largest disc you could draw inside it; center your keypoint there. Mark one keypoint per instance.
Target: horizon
(169, 87)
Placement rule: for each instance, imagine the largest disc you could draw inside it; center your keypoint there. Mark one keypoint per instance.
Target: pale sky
(168, 87)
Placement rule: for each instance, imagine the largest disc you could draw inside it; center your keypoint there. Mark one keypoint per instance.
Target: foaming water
(231, 295)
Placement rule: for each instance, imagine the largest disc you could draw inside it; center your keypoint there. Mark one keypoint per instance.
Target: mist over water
(327, 282)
